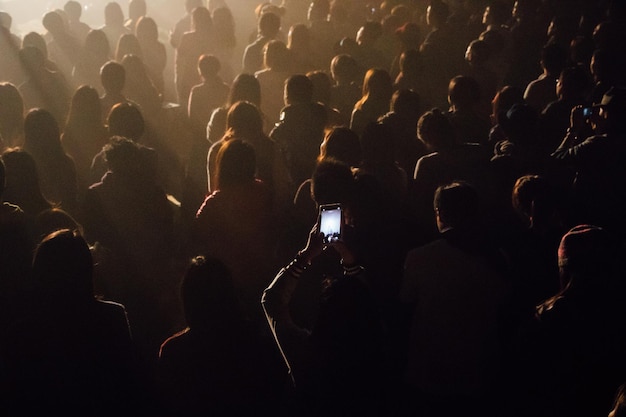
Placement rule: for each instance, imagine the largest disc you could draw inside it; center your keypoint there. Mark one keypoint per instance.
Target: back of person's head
(11, 106)
(201, 20)
(245, 87)
(147, 30)
(85, 107)
(113, 77)
(276, 56)
(377, 84)
(369, 33)
(436, 131)
(298, 89)
(32, 59)
(463, 92)
(341, 143)
(525, 9)
(269, 25)
(409, 35)
(322, 86)
(534, 199)
(407, 104)
(478, 52)
(73, 9)
(123, 157)
(437, 13)
(619, 403)
(41, 133)
(573, 83)
(97, 43)
(208, 295)
(553, 58)
(209, 66)
(113, 14)
(236, 164)
(53, 23)
(136, 9)
(35, 40)
(135, 71)
(127, 44)
(6, 20)
(244, 121)
(318, 10)
(497, 13)
(456, 205)
(298, 37)
(344, 68)
(125, 119)
(614, 105)
(332, 182)
(521, 124)
(21, 174)
(63, 263)
(52, 220)
(410, 62)
(586, 255)
(504, 100)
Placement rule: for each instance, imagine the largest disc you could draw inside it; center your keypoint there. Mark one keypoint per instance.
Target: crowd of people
(160, 252)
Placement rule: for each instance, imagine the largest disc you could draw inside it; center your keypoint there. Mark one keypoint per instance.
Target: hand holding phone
(331, 222)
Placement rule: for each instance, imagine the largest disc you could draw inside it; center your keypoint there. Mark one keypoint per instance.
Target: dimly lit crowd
(160, 191)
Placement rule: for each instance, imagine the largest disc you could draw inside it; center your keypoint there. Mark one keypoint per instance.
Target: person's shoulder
(173, 344)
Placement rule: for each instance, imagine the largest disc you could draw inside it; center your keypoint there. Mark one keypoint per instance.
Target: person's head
(436, 131)
(553, 58)
(318, 10)
(369, 33)
(463, 92)
(127, 44)
(74, 10)
(192, 4)
(41, 133)
(147, 30)
(572, 83)
(34, 39)
(11, 112)
(521, 124)
(608, 115)
(534, 200)
(136, 9)
(276, 56)
(269, 25)
(585, 255)
(32, 59)
(456, 206)
(410, 62)
(85, 107)
(409, 35)
(113, 14)
(322, 86)
(341, 143)
(332, 182)
(201, 20)
(125, 119)
(236, 164)
(437, 13)
(52, 220)
(244, 121)
(477, 53)
(406, 104)
(497, 13)
(6, 20)
(63, 263)
(298, 37)
(21, 175)
(135, 70)
(208, 66)
(208, 294)
(298, 89)
(344, 69)
(245, 87)
(113, 77)
(123, 157)
(377, 85)
(504, 100)
(525, 9)
(619, 403)
(97, 43)
(53, 23)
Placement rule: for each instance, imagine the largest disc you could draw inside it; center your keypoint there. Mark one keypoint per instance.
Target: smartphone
(331, 222)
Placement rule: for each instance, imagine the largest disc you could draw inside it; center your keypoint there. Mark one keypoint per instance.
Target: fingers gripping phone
(331, 222)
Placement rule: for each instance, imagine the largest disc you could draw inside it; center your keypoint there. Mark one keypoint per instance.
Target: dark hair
(276, 56)
(245, 87)
(269, 24)
(42, 133)
(85, 108)
(113, 14)
(457, 204)
(463, 91)
(344, 67)
(244, 121)
(322, 86)
(435, 130)
(554, 57)
(208, 65)
(236, 164)
(113, 76)
(342, 144)
(125, 119)
(63, 261)
(208, 293)
(299, 89)
(332, 182)
(123, 156)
